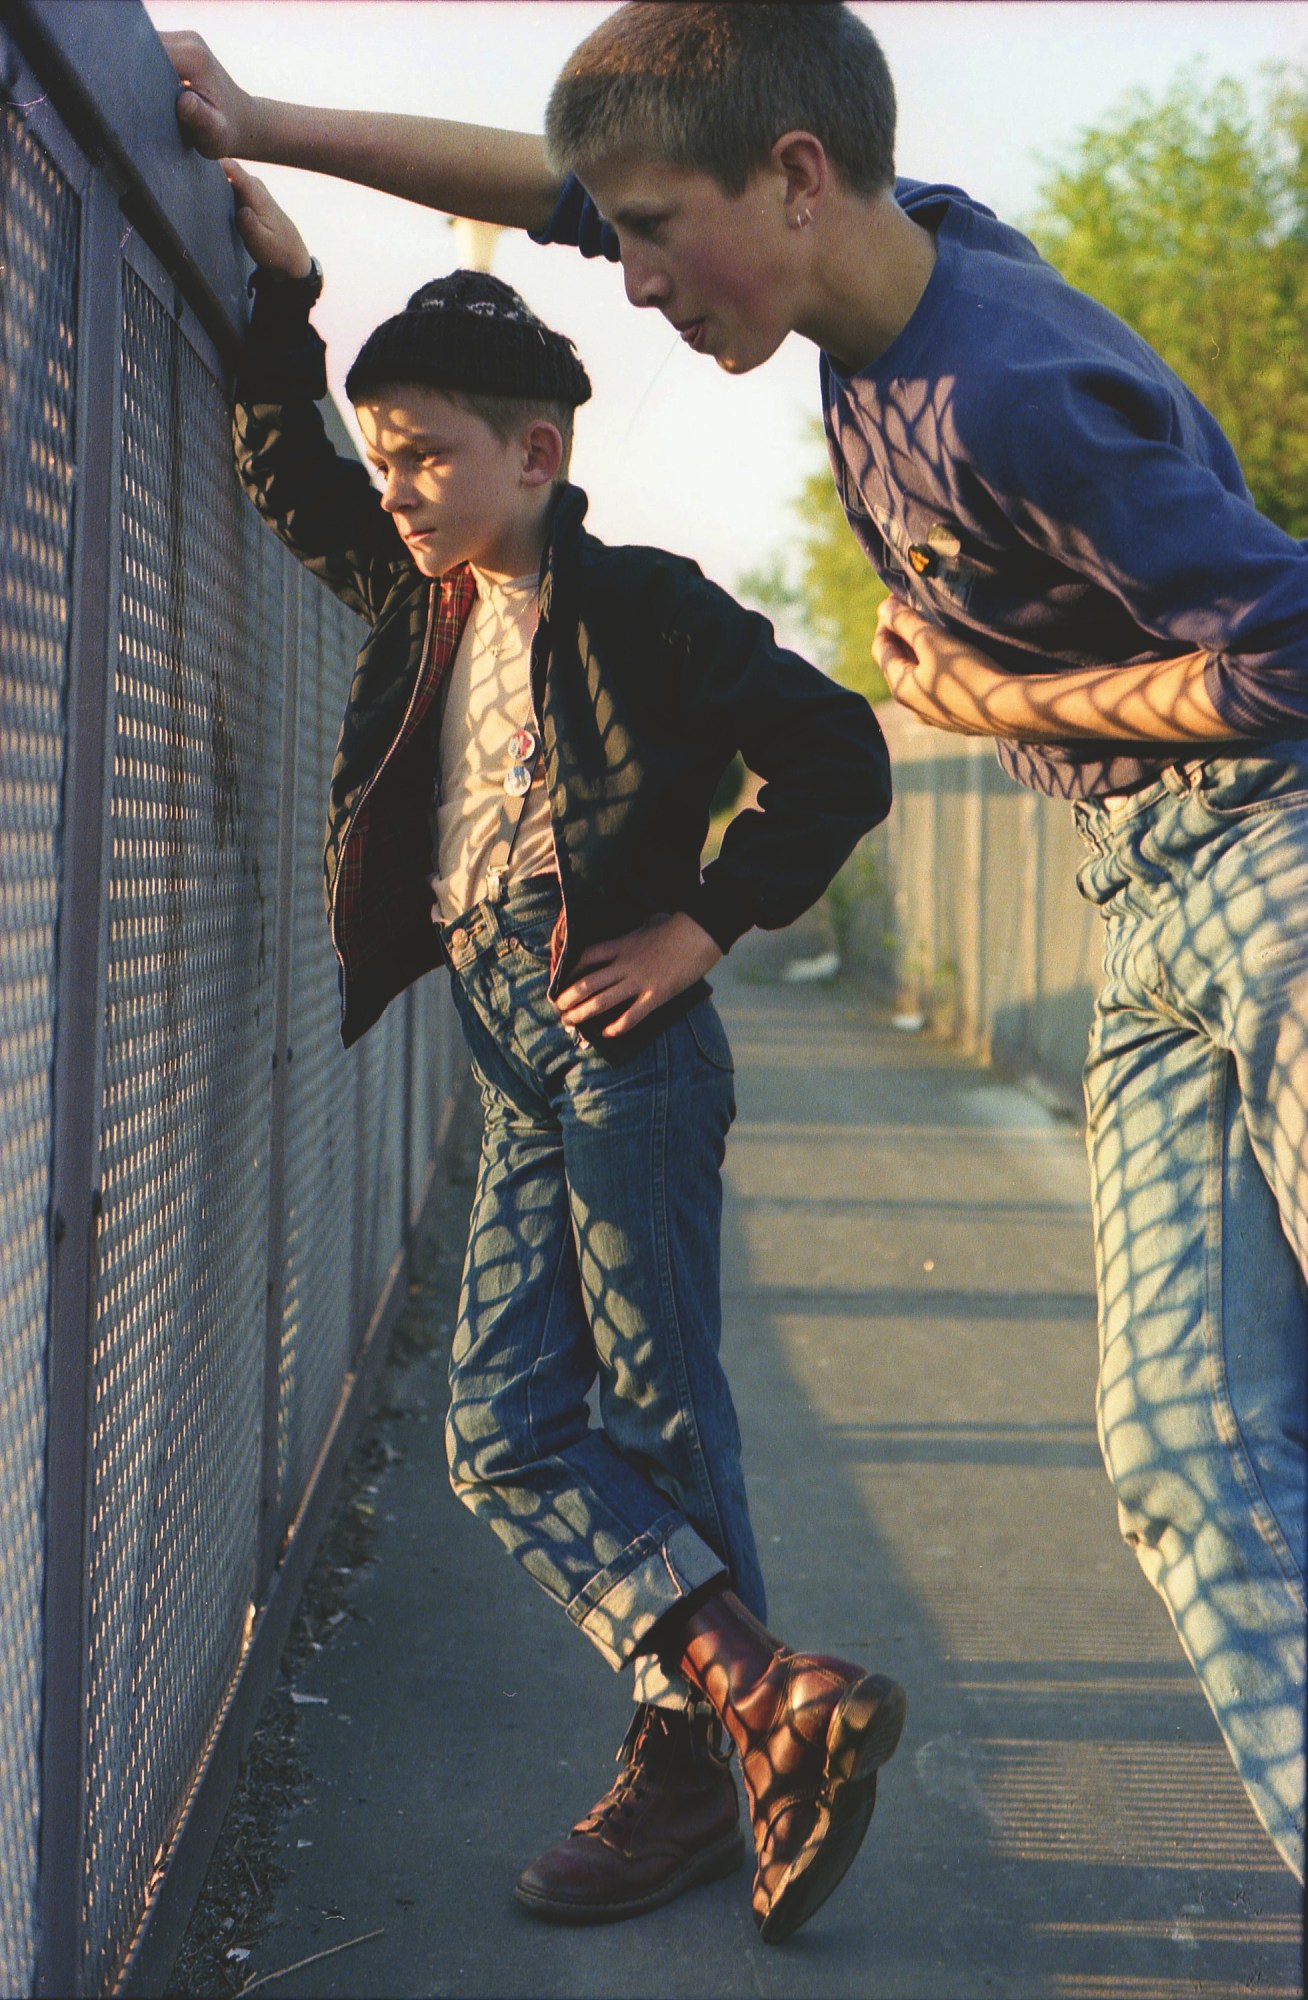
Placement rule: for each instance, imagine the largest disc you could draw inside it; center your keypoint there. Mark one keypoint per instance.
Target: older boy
(1027, 475)
(547, 720)
(1032, 481)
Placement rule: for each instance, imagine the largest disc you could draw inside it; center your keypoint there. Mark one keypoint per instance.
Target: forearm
(1165, 701)
(467, 170)
(323, 506)
(955, 686)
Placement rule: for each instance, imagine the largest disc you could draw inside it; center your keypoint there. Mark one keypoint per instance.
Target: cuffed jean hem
(627, 1598)
(654, 1685)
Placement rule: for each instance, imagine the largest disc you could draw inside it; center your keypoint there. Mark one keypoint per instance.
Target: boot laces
(622, 1799)
(623, 1796)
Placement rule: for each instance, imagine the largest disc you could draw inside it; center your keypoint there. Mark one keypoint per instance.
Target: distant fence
(206, 1207)
(988, 938)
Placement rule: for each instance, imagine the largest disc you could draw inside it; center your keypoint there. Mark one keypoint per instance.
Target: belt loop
(1183, 778)
(1087, 822)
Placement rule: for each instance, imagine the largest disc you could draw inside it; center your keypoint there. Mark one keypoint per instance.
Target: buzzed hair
(714, 86)
(506, 414)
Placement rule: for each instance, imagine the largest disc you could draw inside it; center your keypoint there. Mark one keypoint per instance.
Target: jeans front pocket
(710, 1036)
(532, 941)
(1232, 788)
(530, 928)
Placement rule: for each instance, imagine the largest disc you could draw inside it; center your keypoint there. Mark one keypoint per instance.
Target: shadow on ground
(909, 1322)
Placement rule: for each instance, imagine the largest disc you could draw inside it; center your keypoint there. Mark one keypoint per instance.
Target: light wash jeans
(1197, 1110)
(593, 1257)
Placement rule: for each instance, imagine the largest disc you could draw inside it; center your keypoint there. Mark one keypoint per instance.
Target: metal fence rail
(206, 1206)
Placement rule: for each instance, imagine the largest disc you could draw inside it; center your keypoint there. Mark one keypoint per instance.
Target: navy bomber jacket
(646, 680)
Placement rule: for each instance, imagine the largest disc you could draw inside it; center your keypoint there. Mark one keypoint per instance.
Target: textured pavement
(910, 1328)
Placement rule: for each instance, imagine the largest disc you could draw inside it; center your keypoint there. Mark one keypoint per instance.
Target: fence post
(78, 1058)
(939, 944)
(283, 1055)
(973, 970)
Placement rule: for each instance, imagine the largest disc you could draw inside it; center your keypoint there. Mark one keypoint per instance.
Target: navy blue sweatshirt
(1024, 469)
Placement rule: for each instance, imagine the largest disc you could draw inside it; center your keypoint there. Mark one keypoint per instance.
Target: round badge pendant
(517, 780)
(522, 745)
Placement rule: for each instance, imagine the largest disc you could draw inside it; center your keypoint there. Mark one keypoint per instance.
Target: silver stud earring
(803, 219)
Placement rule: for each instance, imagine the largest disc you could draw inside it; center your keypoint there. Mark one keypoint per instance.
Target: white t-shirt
(487, 706)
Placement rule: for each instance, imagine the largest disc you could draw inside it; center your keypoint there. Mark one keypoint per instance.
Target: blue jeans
(1197, 1125)
(593, 1259)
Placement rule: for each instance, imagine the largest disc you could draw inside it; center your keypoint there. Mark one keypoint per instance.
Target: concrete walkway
(910, 1328)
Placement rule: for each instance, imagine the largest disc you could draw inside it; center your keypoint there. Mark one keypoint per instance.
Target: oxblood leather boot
(812, 1733)
(671, 1820)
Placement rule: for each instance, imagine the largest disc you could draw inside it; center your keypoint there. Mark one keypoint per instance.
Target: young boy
(1077, 570)
(547, 720)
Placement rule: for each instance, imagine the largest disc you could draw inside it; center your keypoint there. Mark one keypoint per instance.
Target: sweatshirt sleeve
(1107, 479)
(321, 503)
(817, 747)
(577, 221)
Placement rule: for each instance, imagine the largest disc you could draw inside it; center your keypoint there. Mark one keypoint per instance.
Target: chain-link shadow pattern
(592, 1266)
(1197, 1095)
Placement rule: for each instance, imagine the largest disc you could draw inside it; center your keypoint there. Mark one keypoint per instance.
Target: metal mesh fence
(145, 659)
(1070, 932)
(181, 1257)
(990, 942)
(318, 1321)
(39, 217)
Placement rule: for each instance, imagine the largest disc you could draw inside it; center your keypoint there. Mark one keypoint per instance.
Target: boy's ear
(802, 159)
(542, 448)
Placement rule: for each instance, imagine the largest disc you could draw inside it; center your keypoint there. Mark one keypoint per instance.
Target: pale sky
(671, 451)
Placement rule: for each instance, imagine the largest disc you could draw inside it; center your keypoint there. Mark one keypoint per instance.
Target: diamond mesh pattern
(38, 285)
(180, 1305)
(318, 1324)
(179, 1296)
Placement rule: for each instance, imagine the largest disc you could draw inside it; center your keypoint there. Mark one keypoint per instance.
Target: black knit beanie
(472, 332)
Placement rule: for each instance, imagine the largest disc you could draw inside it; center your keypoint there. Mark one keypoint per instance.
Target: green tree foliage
(1188, 217)
(832, 589)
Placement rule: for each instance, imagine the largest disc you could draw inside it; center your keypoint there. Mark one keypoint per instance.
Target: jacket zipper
(554, 845)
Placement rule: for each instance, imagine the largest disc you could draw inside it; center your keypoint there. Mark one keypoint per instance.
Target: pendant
(517, 780)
